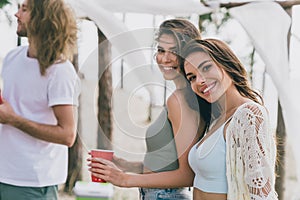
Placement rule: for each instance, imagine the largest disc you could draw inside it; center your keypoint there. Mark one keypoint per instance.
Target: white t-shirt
(25, 160)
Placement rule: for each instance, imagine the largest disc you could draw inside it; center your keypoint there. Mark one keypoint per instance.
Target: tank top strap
(228, 119)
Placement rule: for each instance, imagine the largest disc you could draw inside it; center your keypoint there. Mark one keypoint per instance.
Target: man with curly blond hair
(40, 97)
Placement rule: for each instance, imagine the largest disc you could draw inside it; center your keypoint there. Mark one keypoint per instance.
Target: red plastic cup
(101, 153)
(1, 102)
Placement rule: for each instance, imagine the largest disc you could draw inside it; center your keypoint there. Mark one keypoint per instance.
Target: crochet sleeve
(256, 147)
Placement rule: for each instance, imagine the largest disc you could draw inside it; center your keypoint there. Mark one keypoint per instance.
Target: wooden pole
(281, 137)
(105, 92)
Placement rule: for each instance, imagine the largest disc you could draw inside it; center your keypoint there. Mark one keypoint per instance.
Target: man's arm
(64, 132)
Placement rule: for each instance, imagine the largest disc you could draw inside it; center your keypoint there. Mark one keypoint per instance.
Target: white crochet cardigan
(250, 154)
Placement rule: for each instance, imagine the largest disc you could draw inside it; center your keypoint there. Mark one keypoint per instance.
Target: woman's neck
(180, 82)
(230, 101)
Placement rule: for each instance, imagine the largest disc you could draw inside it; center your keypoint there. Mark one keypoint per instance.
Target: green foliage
(214, 23)
(3, 3)
(218, 18)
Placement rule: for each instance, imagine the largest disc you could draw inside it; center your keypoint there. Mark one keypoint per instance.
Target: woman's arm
(257, 148)
(185, 126)
(128, 166)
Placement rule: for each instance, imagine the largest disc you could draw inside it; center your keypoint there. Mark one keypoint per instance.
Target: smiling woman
(240, 138)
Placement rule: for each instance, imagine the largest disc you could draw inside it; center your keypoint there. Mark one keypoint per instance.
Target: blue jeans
(165, 194)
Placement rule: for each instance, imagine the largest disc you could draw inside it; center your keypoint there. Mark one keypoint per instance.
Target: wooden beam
(284, 4)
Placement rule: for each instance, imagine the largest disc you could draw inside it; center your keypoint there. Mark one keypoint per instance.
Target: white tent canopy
(156, 7)
(101, 12)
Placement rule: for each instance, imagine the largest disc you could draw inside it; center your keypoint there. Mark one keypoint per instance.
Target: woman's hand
(121, 163)
(108, 171)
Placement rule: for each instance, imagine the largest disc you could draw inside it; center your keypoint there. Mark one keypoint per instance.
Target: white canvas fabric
(267, 24)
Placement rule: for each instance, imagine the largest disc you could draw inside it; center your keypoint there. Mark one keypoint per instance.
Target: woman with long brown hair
(235, 159)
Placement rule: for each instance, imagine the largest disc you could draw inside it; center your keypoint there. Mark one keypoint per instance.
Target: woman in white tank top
(235, 159)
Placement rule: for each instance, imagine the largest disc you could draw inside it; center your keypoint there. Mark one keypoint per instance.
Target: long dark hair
(224, 57)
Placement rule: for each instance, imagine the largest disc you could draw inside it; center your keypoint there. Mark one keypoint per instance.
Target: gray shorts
(165, 194)
(11, 192)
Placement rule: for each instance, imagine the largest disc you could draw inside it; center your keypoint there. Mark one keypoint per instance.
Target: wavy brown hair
(224, 57)
(53, 30)
(182, 30)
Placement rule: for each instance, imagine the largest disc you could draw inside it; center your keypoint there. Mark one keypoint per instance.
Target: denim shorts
(165, 194)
